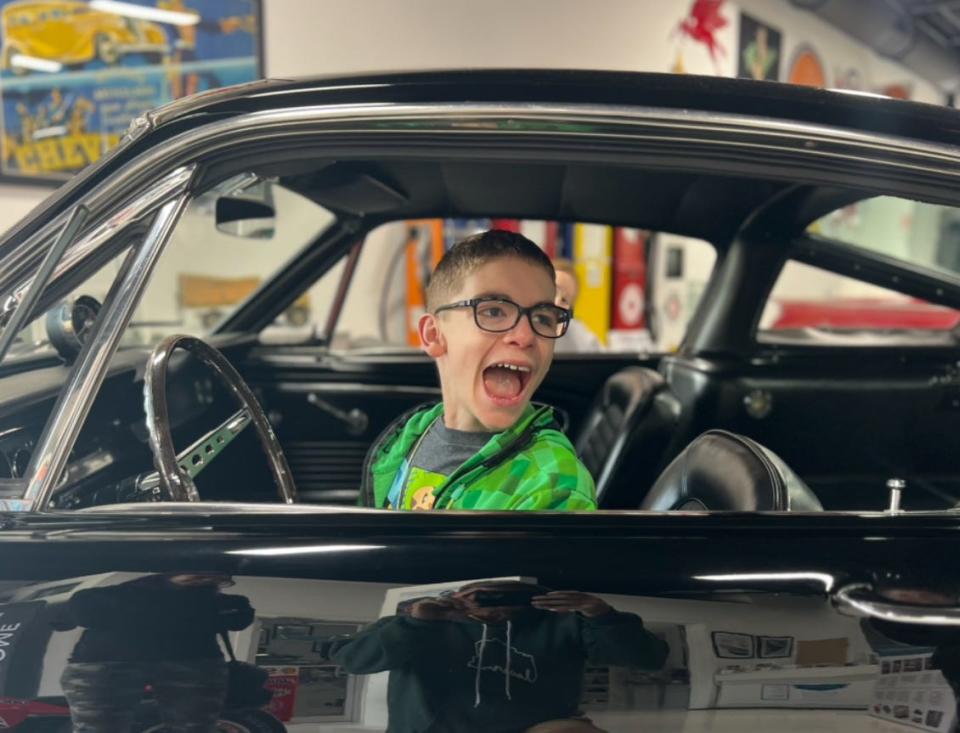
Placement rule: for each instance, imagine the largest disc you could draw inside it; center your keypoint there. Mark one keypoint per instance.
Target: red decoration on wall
(702, 23)
(509, 225)
(551, 239)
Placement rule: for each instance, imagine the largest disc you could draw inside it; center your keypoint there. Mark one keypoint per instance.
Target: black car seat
(721, 471)
(624, 436)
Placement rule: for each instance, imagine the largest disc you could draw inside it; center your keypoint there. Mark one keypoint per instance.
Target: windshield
(218, 255)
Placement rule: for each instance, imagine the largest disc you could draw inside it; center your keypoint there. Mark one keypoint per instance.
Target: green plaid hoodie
(530, 466)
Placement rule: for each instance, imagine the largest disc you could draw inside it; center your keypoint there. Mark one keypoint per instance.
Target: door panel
(731, 638)
(845, 421)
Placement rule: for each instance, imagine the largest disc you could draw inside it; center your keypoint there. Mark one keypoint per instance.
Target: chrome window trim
(610, 121)
(77, 396)
(351, 388)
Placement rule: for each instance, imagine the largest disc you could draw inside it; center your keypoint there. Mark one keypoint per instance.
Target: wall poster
(759, 50)
(806, 68)
(74, 73)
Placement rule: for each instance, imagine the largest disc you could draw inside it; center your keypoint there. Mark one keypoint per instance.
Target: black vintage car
(777, 487)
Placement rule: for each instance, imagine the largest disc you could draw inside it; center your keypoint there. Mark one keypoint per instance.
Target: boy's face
(477, 394)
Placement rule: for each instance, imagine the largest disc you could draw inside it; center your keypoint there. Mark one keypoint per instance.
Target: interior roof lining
(718, 226)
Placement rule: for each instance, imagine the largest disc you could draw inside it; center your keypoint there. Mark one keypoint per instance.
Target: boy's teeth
(514, 367)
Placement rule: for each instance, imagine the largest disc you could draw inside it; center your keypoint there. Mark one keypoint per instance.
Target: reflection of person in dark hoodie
(496, 657)
(159, 630)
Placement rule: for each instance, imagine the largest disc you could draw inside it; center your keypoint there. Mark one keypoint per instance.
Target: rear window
(808, 301)
(922, 235)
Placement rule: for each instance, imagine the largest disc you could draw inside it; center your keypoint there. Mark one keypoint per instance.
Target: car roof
(774, 100)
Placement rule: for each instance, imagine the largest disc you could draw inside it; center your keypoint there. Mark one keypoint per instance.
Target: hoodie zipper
(517, 444)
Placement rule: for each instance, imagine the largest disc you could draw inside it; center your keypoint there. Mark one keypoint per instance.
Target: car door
(831, 622)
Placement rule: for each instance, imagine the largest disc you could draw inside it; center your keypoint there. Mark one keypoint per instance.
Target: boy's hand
(570, 601)
(438, 609)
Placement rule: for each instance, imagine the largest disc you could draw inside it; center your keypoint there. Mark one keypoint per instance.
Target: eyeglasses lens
(499, 315)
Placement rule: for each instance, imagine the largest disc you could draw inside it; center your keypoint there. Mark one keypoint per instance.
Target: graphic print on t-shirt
(418, 494)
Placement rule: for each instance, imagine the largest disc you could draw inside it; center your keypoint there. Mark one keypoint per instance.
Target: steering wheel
(177, 471)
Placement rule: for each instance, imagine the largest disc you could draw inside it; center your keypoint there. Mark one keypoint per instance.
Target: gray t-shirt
(443, 450)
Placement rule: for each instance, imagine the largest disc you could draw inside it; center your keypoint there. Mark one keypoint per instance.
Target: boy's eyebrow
(504, 296)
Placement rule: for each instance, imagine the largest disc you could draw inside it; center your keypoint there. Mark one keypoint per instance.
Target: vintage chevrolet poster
(74, 73)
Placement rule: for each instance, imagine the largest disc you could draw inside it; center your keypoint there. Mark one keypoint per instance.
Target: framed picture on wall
(728, 645)
(774, 647)
(74, 74)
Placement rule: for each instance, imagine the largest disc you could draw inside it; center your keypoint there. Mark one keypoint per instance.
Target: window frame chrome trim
(77, 395)
(171, 184)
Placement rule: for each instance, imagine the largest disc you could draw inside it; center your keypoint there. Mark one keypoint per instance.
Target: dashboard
(111, 455)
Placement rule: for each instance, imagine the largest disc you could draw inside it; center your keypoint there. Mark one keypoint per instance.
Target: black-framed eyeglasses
(498, 315)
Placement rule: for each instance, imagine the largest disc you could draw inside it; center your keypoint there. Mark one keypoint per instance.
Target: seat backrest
(724, 471)
(625, 433)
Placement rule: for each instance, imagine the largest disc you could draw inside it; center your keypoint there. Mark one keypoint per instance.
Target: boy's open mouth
(505, 382)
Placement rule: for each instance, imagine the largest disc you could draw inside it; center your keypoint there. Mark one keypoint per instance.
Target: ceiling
(923, 35)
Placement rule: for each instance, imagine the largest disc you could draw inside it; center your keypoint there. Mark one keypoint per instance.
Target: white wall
(346, 36)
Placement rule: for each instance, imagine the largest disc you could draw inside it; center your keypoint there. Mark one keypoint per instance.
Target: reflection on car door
(445, 622)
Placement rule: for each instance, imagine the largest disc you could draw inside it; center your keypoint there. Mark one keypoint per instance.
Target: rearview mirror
(249, 213)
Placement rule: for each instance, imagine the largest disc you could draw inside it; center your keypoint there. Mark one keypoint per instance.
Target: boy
(490, 326)
(579, 338)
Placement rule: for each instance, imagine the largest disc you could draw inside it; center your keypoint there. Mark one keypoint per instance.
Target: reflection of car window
(925, 235)
(807, 300)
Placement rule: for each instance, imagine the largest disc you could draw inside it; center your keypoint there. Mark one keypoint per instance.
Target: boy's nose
(522, 334)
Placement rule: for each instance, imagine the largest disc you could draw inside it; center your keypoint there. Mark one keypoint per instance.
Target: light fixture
(824, 578)
(307, 550)
(34, 64)
(142, 12)
(54, 131)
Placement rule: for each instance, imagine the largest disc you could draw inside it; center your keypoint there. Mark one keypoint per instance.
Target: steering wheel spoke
(202, 452)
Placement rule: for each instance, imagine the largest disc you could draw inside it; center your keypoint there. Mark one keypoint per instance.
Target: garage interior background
(712, 37)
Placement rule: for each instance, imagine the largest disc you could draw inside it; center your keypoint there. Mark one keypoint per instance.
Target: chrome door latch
(355, 419)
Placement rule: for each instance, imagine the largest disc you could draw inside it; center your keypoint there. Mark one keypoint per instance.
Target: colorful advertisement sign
(74, 73)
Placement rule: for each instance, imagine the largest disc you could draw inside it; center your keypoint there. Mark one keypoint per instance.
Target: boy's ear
(431, 338)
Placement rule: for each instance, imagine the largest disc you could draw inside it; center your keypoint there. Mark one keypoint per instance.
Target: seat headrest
(723, 471)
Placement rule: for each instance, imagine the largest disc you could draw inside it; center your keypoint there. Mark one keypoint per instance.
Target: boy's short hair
(476, 250)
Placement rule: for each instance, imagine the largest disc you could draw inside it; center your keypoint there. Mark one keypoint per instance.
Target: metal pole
(67, 235)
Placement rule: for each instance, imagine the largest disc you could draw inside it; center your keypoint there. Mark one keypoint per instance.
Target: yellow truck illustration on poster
(73, 33)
